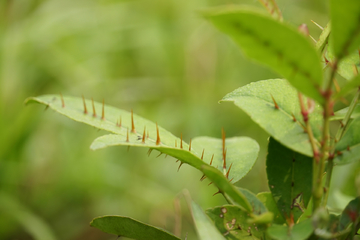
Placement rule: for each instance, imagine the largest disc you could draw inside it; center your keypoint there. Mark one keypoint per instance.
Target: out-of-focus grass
(157, 57)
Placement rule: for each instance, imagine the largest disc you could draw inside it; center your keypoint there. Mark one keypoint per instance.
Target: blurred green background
(159, 58)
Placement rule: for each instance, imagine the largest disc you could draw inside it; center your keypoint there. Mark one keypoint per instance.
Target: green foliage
(299, 231)
(287, 52)
(128, 227)
(290, 179)
(256, 100)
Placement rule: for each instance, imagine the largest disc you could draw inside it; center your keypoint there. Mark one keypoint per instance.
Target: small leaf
(274, 44)
(128, 227)
(323, 39)
(233, 223)
(299, 231)
(345, 22)
(348, 148)
(348, 87)
(350, 215)
(257, 205)
(290, 180)
(256, 100)
(267, 199)
(204, 227)
(339, 115)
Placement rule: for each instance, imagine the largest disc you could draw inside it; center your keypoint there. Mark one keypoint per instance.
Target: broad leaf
(299, 231)
(128, 227)
(345, 22)
(267, 199)
(241, 152)
(256, 100)
(290, 180)
(348, 87)
(233, 223)
(274, 44)
(348, 148)
(339, 115)
(204, 227)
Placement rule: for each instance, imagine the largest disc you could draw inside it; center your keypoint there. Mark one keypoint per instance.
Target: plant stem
(320, 166)
(338, 136)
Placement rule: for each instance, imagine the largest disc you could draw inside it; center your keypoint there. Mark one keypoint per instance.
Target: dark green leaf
(348, 87)
(274, 44)
(205, 228)
(128, 227)
(345, 22)
(350, 215)
(267, 199)
(256, 100)
(299, 231)
(233, 223)
(290, 180)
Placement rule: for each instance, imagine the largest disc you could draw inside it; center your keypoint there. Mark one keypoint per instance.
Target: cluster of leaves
(299, 147)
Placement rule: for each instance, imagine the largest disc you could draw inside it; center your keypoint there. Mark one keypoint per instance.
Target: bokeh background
(159, 58)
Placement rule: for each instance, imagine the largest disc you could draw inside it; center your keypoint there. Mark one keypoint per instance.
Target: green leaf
(233, 223)
(257, 205)
(204, 227)
(346, 66)
(256, 100)
(128, 227)
(290, 180)
(351, 214)
(348, 148)
(299, 231)
(241, 152)
(33, 224)
(348, 87)
(345, 22)
(267, 199)
(274, 44)
(323, 39)
(224, 186)
(339, 115)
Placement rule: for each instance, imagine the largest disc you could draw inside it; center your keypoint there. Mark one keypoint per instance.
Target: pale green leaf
(233, 223)
(345, 15)
(128, 227)
(274, 44)
(256, 100)
(258, 206)
(290, 180)
(204, 227)
(323, 39)
(300, 231)
(241, 152)
(267, 199)
(339, 115)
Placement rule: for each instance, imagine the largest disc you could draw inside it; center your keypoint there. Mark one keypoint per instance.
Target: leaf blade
(131, 228)
(287, 52)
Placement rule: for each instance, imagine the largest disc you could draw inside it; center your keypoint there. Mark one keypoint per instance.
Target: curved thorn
(223, 147)
(180, 166)
(212, 158)
(120, 122)
(294, 118)
(209, 183)
(149, 151)
(227, 174)
(275, 104)
(157, 135)
(181, 146)
(132, 122)
(202, 155)
(159, 154)
(147, 134)
(217, 193)
(93, 106)
(190, 145)
(103, 111)
(127, 135)
(62, 101)
(143, 137)
(85, 109)
(175, 143)
(203, 177)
